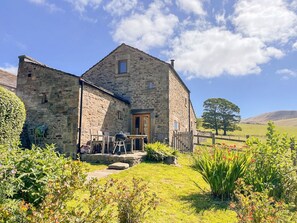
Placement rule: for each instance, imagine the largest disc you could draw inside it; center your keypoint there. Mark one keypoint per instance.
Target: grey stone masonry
(145, 85)
(51, 97)
(102, 112)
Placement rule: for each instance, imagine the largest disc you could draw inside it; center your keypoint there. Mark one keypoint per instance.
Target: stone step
(118, 166)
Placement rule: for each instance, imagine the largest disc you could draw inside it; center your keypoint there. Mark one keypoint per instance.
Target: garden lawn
(181, 200)
(93, 167)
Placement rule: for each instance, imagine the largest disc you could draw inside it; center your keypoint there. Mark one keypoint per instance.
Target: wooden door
(141, 125)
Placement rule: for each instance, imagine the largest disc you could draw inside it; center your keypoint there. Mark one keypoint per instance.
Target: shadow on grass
(205, 201)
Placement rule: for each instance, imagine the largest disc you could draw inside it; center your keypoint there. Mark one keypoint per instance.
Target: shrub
(220, 168)
(12, 117)
(273, 167)
(159, 152)
(27, 172)
(39, 186)
(258, 207)
(135, 201)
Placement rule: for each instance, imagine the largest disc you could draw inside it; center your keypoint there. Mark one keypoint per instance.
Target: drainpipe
(189, 111)
(80, 113)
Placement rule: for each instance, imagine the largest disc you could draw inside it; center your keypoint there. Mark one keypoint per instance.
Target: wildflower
(232, 205)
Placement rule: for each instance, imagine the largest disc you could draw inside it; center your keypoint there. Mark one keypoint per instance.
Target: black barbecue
(120, 137)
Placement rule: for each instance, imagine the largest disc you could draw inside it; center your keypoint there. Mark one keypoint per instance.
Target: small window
(122, 67)
(176, 125)
(120, 115)
(151, 85)
(186, 102)
(44, 98)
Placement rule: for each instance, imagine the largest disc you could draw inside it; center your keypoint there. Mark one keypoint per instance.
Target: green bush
(26, 173)
(12, 117)
(259, 207)
(272, 168)
(159, 152)
(39, 186)
(220, 168)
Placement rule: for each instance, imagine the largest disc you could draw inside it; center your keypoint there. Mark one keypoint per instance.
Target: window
(120, 115)
(175, 125)
(151, 85)
(186, 102)
(122, 67)
(43, 98)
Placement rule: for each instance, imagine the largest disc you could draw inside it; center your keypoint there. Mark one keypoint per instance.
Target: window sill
(122, 75)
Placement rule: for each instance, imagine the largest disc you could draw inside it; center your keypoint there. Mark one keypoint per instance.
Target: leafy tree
(199, 122)
(12, 117)
(222, 114)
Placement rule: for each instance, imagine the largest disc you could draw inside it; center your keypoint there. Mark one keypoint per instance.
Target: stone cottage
(128, 91)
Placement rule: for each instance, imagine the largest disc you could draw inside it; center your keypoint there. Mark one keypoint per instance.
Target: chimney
(172, 63)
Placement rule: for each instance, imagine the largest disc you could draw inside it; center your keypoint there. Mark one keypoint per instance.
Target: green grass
(256, 130)
(181, 200)
(93, 167)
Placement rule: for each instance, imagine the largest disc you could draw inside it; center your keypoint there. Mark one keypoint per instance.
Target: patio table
(134, 137)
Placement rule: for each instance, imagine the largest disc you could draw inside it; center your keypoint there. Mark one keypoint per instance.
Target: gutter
(80, 114)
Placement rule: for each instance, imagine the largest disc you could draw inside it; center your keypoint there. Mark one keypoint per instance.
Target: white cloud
(215, 51)
(50, 6)
(286, 73)
(294, 46)
(220, 19)
(268, 20)
(152, 28)
(192, 6)
(10, 69)
(81, 5)
(120, 7)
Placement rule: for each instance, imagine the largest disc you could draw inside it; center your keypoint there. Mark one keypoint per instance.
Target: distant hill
(282, 118)
(8, 80)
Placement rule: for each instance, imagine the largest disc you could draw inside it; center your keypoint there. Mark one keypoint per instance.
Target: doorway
(141, 125)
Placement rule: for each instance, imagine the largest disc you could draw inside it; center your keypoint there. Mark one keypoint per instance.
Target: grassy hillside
(277, 116)
(260, 130)
(256, 130)
(287, 122)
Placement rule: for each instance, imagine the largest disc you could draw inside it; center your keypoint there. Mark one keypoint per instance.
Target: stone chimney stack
(172, 63)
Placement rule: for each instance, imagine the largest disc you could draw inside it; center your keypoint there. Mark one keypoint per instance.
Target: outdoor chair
(97, 140)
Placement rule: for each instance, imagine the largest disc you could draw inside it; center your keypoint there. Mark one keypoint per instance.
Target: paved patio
(130, 158)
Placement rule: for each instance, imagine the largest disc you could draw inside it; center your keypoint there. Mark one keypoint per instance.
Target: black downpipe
(80, 114)
(189, 110)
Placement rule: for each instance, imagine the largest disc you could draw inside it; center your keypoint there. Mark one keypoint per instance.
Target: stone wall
(102, 112)
(193, 119)
(145, 85)
(179, 106)
(51, 97)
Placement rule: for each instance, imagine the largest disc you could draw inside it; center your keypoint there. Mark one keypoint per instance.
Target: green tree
(220, 113)
(12, 117)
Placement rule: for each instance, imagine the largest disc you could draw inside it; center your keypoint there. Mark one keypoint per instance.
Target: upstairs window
(122, 67)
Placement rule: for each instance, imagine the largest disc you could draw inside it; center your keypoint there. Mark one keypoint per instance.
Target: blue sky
(244, 50)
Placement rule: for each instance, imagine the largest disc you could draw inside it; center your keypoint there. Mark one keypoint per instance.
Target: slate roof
(8, 80)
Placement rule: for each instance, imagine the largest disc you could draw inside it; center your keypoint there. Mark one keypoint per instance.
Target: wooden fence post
(213, 139)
